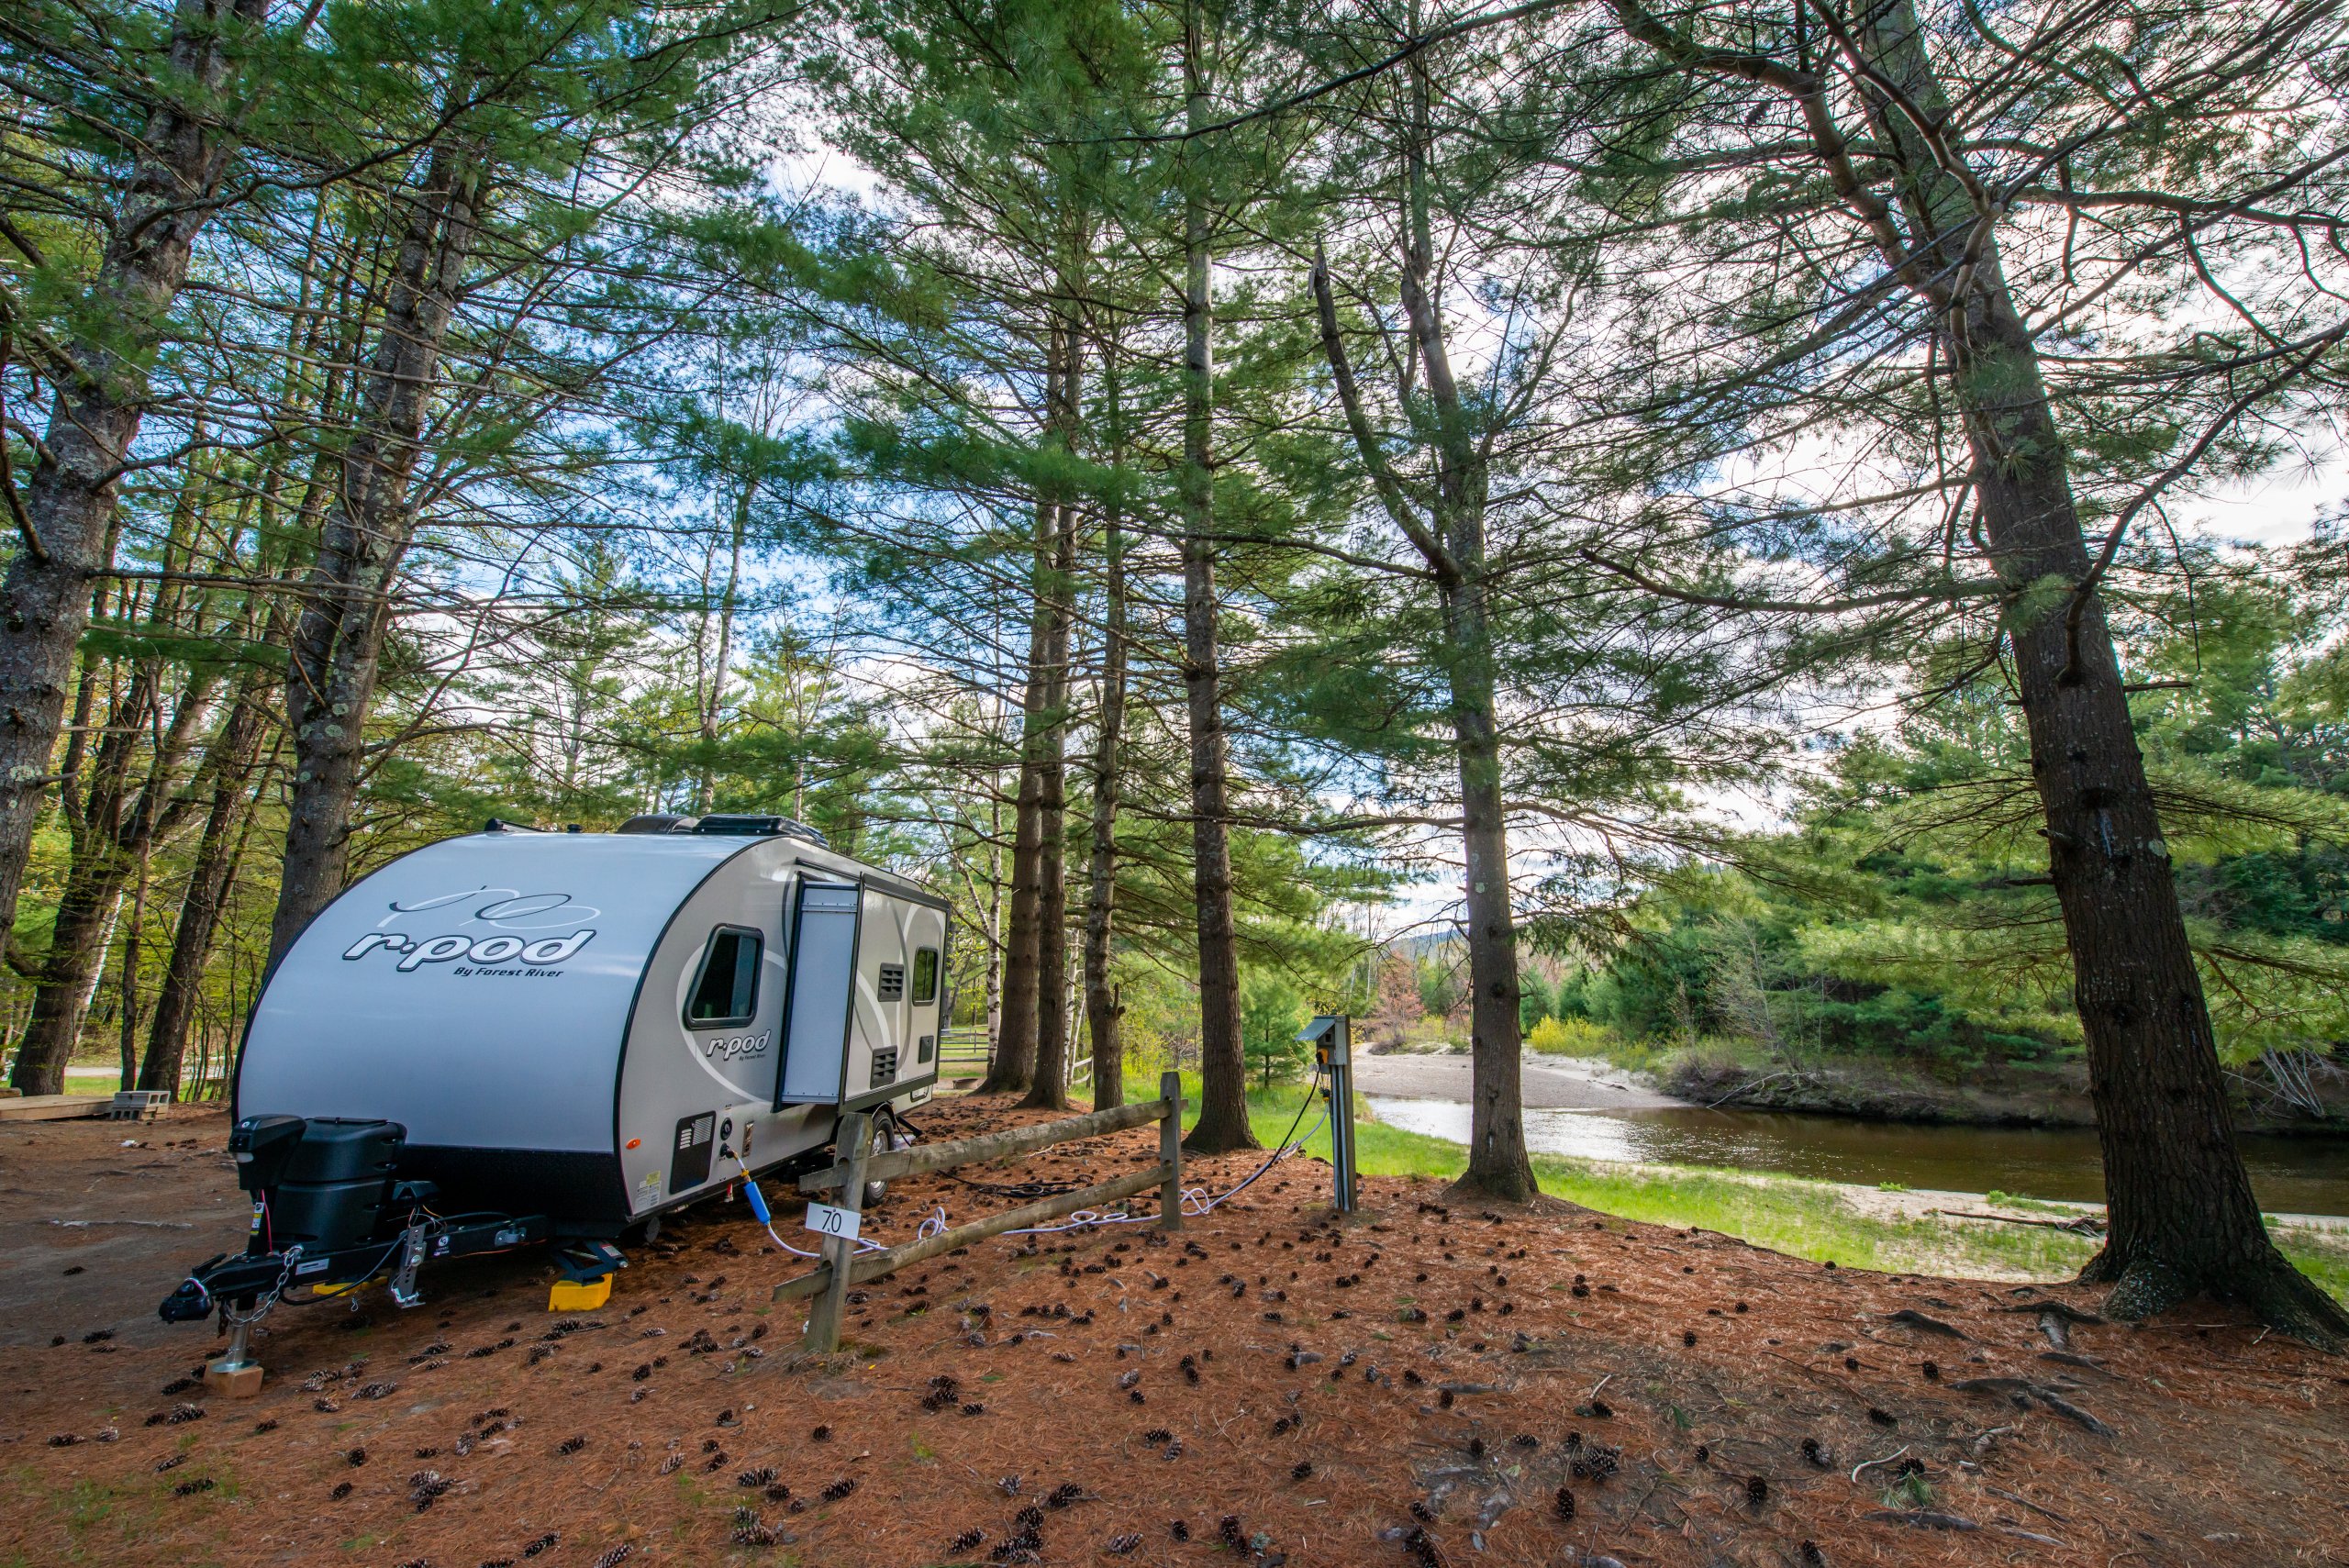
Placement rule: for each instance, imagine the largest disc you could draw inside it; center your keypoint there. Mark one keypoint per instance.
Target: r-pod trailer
(515, 1036)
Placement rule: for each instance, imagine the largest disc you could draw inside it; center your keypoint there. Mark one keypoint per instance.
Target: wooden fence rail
(843, 1266)
(964, 1048)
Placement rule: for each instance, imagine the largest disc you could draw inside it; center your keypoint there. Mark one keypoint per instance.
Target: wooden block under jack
(239, 1381)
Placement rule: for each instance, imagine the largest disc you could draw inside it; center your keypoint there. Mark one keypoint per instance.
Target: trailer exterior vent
(689, 1163)
(659, 822)
(756, 826)
(891, 987)
(884, 1067)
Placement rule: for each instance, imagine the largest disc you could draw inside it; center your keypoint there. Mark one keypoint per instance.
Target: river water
(2292, 1175)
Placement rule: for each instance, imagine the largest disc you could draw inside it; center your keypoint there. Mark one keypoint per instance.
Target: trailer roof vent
(754, 825)
(659, 822)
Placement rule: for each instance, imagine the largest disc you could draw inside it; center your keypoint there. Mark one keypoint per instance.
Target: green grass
(2323, 1256)
(1786, 1214)
(2028, 1205)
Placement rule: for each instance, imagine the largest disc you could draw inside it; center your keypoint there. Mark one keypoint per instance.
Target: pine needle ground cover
(1408, 1386)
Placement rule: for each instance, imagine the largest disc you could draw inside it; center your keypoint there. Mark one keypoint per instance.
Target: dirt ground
(1418, 1385)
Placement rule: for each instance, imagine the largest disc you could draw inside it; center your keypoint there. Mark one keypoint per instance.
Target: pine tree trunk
(1223, 1063)
(120, 828)
(1013, 1071)
(1101, 1005)
(236, 749)
(1014, 1066)
(78, 937)
(1499, 1166)
(711, 699)
(1048, 1090)
(338, 643)
(2182, 1219)
(127, 1037)
(70, 501)
(991, 922)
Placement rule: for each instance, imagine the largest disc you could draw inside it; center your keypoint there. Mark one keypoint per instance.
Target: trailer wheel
(889, 1134)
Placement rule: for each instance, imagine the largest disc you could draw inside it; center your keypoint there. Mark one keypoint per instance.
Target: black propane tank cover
(334, 1186)
(261, 1145)
(335, 1149)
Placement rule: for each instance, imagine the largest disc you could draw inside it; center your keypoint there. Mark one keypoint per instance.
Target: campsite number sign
(826, 1221)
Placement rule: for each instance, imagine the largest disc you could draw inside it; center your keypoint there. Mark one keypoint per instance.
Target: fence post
(1169, 1151)
(852, 1142)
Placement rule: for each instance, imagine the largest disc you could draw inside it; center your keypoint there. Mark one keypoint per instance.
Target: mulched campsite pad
(1425, 1382)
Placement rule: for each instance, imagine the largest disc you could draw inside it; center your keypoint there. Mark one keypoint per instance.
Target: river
(2292, 1175)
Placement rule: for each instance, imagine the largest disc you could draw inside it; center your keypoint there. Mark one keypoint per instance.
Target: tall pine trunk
(183, 151)
(1499, 1166)
(78, 940)
(1102, 1008)
(1013, 1071)
(991, 916)
(338, 643)
(118, 829)
(710, 700)
(127, 1037)
(235, 751)
(1451, 538)
(1223, 1063)
(2182, 1219)
(1048, 1090)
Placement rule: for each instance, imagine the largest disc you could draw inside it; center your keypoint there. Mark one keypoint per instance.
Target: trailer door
(823, 984)
(926, 992)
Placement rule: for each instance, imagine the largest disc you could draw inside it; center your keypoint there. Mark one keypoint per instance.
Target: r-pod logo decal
(508, 914)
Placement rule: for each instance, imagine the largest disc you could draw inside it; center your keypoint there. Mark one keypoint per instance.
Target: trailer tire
(889, 1134)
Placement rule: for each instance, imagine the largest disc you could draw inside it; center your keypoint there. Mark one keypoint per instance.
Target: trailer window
(925, 976)
(726, 990)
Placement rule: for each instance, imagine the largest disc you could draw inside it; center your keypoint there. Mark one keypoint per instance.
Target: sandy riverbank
(1551, 1082)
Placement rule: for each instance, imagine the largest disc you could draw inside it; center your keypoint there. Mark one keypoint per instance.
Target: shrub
(1570, 1037)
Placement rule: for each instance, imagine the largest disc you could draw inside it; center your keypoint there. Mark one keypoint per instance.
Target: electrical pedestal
(1331, 1037)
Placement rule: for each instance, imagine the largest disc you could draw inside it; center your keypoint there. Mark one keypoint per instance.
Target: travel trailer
(519, 1035)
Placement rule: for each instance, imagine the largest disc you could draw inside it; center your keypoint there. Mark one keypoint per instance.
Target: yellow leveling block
(570, 1296)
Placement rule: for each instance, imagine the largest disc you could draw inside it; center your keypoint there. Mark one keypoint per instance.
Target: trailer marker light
(636, 1143)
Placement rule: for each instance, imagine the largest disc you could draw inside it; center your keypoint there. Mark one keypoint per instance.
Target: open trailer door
(825, 917)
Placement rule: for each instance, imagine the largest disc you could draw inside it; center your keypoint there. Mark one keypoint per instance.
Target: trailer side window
(925, 976)
(726, 992)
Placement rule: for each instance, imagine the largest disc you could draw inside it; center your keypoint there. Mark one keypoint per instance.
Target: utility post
(1331, 1037)
(852, 1140)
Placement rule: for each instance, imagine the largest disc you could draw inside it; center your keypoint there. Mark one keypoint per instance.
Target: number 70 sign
(826, 1221)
